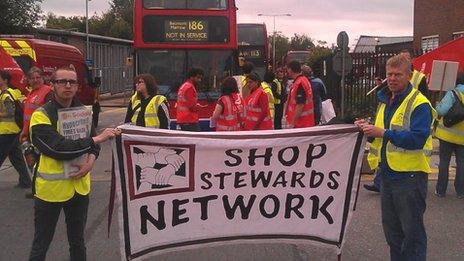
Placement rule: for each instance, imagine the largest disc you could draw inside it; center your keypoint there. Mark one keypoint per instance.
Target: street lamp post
(87, 43)
(274, 35)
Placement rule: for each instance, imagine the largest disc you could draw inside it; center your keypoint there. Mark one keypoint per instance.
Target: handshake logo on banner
(159, 168)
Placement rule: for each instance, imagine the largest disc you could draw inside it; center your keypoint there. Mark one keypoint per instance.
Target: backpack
(456, 113)
(19, 111)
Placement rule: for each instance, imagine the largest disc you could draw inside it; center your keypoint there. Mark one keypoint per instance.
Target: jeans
(377, 179)
(189, 126)
(45, 218)
(9, 144)
(446, 149)
(403, 206)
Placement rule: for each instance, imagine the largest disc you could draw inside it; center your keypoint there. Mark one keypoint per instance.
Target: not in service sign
(183, 190)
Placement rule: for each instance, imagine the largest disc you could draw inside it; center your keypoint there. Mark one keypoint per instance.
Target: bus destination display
(192, 30)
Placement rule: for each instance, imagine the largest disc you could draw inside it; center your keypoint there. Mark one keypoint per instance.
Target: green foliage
(316, 58)
(72, 23)
(116, 22)
(282, 45)
(301, 42)
(19, 16)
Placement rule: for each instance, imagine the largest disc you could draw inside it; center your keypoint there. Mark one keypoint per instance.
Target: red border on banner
(131, 174)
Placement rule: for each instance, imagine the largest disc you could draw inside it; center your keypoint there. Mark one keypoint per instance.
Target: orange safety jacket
(231, 117)
(306, 118)
(34, 100)
(254, 111)
(187, 100)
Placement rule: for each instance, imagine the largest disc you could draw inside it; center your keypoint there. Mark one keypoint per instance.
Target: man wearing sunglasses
(53, 189)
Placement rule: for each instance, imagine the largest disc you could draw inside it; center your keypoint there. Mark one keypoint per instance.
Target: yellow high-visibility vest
(400, 159)
(8, 124)
(151, 112)
(267, 89)
(50, 184)
(453, 134)
(416, 79)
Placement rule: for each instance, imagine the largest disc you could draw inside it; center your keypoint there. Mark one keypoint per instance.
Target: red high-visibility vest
(307, 116)
(253, 111)
(231, 117)
(34, 100)
(185, 99)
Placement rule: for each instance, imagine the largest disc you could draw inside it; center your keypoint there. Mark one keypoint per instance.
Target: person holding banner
(9, 130)
(300, 106)
(228, 113)
(53, 189)
(257, 113)
(150, 109)
(401, 150)
(451, 140)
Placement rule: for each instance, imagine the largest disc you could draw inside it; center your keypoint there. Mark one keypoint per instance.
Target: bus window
(186, 4)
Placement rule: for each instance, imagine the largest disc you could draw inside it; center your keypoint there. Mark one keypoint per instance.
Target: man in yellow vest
(451, 140)
(9, 130)
(53, 190)
(401, 151)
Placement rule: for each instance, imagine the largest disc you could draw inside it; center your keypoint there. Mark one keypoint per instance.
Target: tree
(73, 23)
(19, 16)
(301, 42)
(282, 45)
(122, 12)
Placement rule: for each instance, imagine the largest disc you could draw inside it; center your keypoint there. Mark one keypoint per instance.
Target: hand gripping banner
(178, 190)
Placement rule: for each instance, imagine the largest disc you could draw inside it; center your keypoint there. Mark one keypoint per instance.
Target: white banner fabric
(186, 190)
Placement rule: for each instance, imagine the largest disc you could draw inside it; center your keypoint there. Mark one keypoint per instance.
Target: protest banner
(74, 123)
(179, 190)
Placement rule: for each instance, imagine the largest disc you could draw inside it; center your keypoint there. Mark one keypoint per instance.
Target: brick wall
(437, 17)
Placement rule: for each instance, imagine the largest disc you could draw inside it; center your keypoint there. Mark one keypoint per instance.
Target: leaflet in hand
(74, 123)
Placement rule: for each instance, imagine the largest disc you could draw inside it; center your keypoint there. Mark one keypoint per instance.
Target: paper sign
(443, 77)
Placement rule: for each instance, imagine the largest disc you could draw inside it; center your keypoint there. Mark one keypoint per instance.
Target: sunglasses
(65, 81)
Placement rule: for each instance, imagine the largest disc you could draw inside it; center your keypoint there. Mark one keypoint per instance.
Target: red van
(48, 56)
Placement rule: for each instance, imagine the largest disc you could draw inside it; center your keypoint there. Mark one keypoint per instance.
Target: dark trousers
(403, 207)
(446, 149)
(9, 147)
(279, 113)
(45, 218)
(190, 126)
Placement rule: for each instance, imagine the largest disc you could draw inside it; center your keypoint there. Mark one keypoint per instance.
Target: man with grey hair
(401, 150)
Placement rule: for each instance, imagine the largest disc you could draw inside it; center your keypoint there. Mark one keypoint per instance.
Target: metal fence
(361, 79)
(111, 59)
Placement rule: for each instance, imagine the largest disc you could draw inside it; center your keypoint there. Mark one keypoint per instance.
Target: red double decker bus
(172, 36)
(253, 45)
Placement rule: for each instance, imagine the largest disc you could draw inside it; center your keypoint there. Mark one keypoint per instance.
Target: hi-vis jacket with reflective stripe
(399, 159)
(7, 105)
(34, 100)
(50, 184)
(453, 134)
(279, 92)
(268, 90)
(306, 118)
(151, 112)
(255, 110)
(231, 115)
(187, 102)
(416, 79)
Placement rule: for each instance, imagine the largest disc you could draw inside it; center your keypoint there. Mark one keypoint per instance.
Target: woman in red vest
(228, 113)
(257, 113)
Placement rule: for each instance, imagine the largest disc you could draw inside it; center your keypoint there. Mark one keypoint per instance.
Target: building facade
(437, 22)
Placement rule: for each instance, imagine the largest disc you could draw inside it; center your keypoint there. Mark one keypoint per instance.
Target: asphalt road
(364, 239)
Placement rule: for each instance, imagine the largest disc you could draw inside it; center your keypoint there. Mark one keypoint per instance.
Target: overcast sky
(320, 19)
